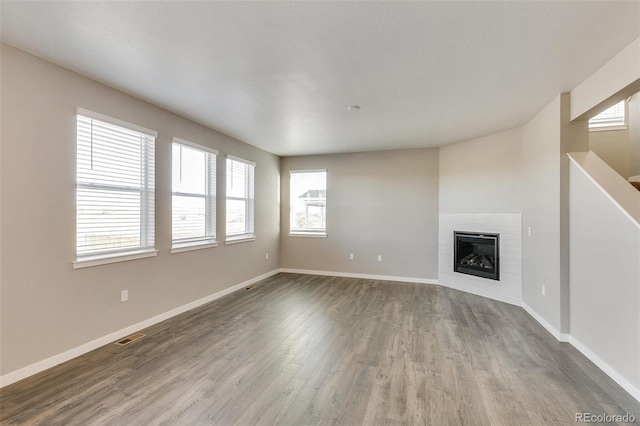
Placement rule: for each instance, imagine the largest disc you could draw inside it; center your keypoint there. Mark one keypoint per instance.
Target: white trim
(194, 145)
(604, 191)
(105, 260)
(241, 160)
(308, 234)
(40, 366)
(364, 276)
(116, 121)
(243, 239)
(308, 171)
(591, 356)
(608, 128)
(606, 368)
(199, 245)
(551, 329)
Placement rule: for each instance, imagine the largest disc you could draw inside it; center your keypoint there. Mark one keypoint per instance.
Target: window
(114, 190)
(610, 119)
(193, 196)
(308, 202)
(240, 199)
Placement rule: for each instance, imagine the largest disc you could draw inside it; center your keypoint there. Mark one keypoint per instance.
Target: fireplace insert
(477, 254)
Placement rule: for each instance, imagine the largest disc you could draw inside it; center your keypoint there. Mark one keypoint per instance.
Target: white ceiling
(280, 75)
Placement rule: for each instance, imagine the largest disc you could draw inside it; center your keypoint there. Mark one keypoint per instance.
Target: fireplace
(477, 254)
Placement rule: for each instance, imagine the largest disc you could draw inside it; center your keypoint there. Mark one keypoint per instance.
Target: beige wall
(541, 213)
(605, 242)
(47, 307)
(377, 203)
(614, 147)
(546, 139)
(616, 80)
(634, 134)
(482, 175)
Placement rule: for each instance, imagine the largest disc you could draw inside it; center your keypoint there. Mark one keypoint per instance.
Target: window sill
(608, 128)
(200, 245)
(241, 239)
(90, 261)
(308, 234)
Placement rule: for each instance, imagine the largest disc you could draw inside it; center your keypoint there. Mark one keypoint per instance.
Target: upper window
(193, 195)
(610, 119)
(114, 187)
(240, 199)
(308, 203)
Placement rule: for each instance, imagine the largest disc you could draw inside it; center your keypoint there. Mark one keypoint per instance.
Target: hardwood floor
(307, 350)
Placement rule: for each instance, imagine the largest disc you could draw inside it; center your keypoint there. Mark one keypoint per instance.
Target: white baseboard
(608, 370)
(400, 279)
(45, 364)
(40, 366)
(364, 276)
(591, 356)
(561, 337)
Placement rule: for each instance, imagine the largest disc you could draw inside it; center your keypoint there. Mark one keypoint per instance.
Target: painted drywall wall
(574, 137)
(605, 278)
(541, 213)
(614, 147)
(378, 203)
(546, 139)
(482, 175)
(634, 134)
(616, 80)
(481, 190)
(47, 307)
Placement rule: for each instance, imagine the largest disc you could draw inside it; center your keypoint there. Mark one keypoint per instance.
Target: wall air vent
(130, 339)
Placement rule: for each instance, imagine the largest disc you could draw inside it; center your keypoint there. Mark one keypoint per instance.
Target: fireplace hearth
(477, 254)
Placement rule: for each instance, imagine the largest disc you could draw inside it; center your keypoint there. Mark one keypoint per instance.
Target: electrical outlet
(266, 256)
(124, 295)
(543, 291)
(379, 258)
(350, 256)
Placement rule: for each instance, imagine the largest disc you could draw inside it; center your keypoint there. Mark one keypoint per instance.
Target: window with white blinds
(240, 198)
(610, 119)
(114, 187)
(193, 194)
(308, 202)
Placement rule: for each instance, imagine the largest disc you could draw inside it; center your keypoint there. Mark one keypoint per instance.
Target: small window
(115, 201)
(308, 202)
(193, 196)
(610, 119)
(240, 199)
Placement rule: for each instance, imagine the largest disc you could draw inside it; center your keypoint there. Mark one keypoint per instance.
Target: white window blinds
(240, 198)
(114, 186)
(193, 194)
(611, 117)
(308, 201)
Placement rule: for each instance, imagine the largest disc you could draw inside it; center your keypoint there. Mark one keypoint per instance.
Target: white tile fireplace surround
(509, 226)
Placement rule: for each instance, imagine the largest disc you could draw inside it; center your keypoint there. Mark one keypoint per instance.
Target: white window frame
(146, 247)
(208, 240)
(249, 199)
(305, 232)
(615, 122)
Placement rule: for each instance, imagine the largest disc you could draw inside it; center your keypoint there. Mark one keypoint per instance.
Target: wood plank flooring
(311, 350)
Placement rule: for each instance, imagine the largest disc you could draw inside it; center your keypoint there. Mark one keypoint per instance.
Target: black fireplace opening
(477, 254)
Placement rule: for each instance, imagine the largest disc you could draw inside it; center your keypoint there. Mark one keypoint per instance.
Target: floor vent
(251, 287)
(130, 339)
